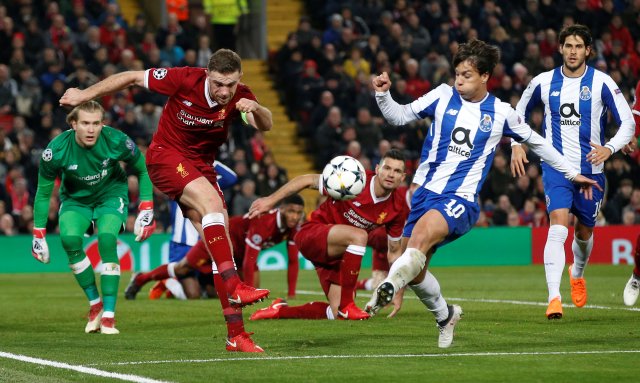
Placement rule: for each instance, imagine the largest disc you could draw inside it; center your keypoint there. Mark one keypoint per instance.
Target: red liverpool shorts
(170, 171)
(312, 243)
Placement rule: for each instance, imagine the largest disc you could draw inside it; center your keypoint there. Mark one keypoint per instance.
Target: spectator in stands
(204, 51)
(305, 32)
(613, 208)
(500, 215)
(308, 88)
(356, 64)
(416, 85)
(633, 206)
(7, 225)
(328, 136)
(333, 32)
(242, 201)
(368, 131)
(270, 180)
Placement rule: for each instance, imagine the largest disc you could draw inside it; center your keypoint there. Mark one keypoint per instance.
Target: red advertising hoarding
(612, 245)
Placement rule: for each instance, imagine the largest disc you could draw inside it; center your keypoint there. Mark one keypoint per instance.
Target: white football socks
(554, 258)
(581, 252)
(428, 291)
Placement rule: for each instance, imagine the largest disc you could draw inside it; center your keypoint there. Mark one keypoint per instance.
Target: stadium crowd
(324, 74)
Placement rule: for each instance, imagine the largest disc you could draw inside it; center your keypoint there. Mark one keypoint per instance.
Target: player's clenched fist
(246, 105)
(382, 83)
(39, 247)
(145, 225)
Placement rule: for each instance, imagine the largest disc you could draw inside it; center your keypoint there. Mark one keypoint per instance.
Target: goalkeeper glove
(145, 225)
(39, 247)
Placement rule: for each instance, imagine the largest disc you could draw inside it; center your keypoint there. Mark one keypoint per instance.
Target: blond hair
(89, 106)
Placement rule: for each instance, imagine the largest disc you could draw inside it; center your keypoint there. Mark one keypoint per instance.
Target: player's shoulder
(244, 91)
(501, 107)
(62, 140)
(603, 77)
(544, 77)
(116, 137)
(189, 75)
(444, 89)
(58, 148)
(113, 133)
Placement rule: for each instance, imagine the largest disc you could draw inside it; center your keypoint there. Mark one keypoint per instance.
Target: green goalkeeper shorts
(113, 205)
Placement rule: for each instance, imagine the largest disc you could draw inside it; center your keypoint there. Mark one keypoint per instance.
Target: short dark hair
(293, 199)
(484, 57)
(576, 30)
(395, 154)
(225, 61)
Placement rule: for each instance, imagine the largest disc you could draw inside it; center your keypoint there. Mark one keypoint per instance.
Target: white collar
(279, 221)
(211, 103)
(373, 193)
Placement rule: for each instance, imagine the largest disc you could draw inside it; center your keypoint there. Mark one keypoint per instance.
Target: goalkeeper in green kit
(93, 190)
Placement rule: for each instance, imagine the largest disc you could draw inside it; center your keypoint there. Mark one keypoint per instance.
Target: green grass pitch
(504, 335)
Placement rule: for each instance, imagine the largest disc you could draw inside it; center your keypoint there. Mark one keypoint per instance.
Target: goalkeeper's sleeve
(41, 201)
(146, 188)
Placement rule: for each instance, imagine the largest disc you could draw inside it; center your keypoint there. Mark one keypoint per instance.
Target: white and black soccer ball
(343, 178)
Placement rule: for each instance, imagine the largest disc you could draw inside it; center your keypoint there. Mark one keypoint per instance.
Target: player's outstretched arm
(257, 115)
(74, 96)
(263, 205)
(551, 156)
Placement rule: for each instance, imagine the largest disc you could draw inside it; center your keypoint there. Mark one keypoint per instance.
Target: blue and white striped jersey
(575, 113)
(182, 230)
(460, 145)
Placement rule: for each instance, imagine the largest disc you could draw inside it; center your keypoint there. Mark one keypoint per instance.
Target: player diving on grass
(468, 123)
(249, 237)
(334, 239)
(93, 190)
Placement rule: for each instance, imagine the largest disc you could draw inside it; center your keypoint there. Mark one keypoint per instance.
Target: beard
(575, 67)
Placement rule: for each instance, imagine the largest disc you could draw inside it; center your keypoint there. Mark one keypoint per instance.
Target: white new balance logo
(72, 167)
(452, 112)
(555, 93)
(232, 344)
(187, 103)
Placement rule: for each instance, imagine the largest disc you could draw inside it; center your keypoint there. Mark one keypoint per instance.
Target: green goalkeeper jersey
(88, 175)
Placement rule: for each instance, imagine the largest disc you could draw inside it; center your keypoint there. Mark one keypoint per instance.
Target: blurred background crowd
(323, 75)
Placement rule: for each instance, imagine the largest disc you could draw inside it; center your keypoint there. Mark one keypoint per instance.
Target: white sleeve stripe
(146, 78)
(636, 112)
(252, 245)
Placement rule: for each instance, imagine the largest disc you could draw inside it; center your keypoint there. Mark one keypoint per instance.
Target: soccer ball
(343, 178)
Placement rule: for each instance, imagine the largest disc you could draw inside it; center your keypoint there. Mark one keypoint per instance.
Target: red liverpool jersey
(261, 232)
(366, 211)
(191, 121)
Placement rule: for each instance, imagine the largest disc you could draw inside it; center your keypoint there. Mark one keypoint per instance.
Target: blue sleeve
(226, 176)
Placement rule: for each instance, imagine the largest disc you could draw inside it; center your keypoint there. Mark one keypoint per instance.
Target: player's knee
(107, 245)
(181, 269)
(72, 244)
(557, 233)
(359, 237)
